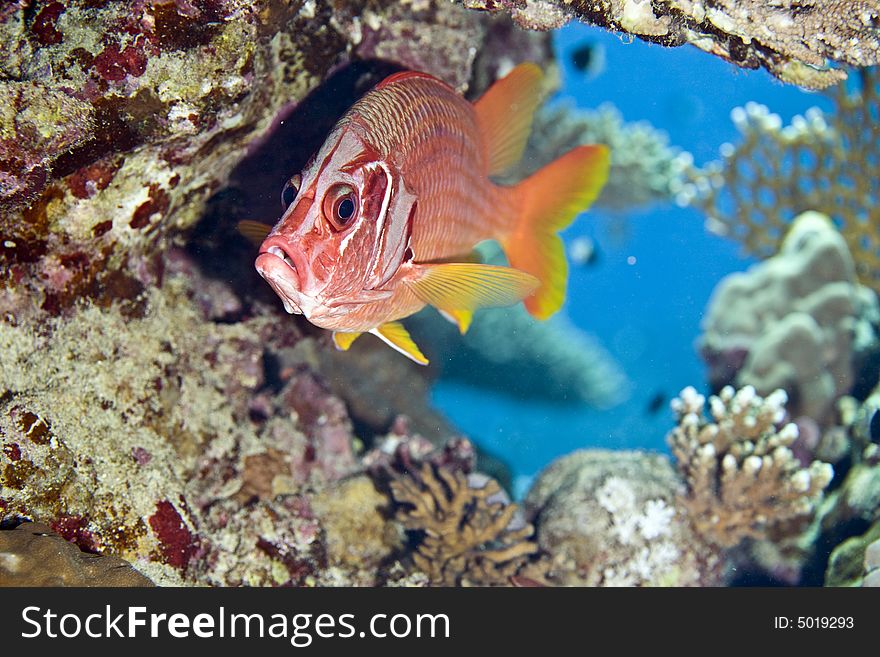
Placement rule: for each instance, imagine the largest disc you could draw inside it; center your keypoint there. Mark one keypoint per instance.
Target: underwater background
(646, 314)
(704, 411)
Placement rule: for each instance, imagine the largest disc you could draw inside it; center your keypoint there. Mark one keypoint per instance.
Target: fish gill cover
(158, 406)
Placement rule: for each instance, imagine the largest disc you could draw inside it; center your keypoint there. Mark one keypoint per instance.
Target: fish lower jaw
(291, 308)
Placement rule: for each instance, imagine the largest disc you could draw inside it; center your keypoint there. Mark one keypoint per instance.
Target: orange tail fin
(550, 199)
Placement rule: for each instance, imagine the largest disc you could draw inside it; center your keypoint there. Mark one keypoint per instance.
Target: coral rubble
(793, 40)
(741, 475)
(798, 321)
(472, 535)
(822, 162)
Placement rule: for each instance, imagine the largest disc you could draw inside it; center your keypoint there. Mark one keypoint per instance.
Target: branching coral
(741, 476)
(793, 39)
(471, 536)
(827, 163)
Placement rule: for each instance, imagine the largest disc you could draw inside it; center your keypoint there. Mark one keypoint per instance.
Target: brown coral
(741, 476)
(471, 537)
(33, 555)
(827, 163)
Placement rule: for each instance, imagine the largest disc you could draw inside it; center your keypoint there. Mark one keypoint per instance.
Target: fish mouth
(283, 269)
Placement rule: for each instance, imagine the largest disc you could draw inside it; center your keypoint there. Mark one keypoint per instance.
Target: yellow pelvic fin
(550, 199)
(504, 114)
(461, 318)
(458, 289)
(395, 336)
(343, 340)
(254, 231)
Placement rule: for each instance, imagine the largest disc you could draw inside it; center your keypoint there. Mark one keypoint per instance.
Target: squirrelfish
(383, 220)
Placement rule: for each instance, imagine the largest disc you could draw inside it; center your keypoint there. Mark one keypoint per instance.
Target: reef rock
(792, 40)
(122, 120)
(611, 519)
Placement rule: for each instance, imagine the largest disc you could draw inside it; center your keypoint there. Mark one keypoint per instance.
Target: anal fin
(396, 336)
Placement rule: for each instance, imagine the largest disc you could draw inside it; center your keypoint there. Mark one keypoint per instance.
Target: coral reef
(173, 448)
(610, 519)
(33, 555)
(742, 477)
(644, 168)
(121, 121)
(628, 518)
(471, 532)
(792, 40)
(798, 321)
(822, 162)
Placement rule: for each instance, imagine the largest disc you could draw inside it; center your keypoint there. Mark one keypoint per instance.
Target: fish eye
(291, 189)
(340, 205)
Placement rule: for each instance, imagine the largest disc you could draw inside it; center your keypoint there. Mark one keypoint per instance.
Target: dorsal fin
(504, 114)
(404, 75)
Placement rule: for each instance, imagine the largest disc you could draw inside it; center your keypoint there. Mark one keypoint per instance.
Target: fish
(657, 401)
(583, 251)
(384, 218)
(589, 57)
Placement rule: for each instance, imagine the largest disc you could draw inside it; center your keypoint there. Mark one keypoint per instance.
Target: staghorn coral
(472, 535)
(793, 39)
(644, 168)
(827, 163)
(741, 475)
(610, 518)
(798, 321)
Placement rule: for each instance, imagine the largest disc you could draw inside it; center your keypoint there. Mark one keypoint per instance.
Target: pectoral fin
(253, 231)
(458, 289)
(343, 340)
(395, 336)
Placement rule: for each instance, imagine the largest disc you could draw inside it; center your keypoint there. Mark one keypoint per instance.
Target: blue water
(645, 299)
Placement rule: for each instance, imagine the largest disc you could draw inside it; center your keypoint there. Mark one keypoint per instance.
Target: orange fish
(383, 220)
